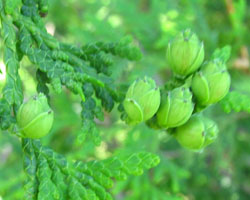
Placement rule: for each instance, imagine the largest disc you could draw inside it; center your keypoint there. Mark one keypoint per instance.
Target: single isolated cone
(35, 117)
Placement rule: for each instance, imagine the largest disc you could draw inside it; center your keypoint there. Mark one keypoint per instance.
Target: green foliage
(12, 91)
(50, 176)
(236, 101)
(83, 70)
(218, 172)
(222, 54)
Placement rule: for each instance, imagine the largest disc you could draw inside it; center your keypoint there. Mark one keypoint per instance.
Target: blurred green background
(221, 171)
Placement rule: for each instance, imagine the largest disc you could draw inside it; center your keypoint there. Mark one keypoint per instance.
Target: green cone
(35, 117)
(197, 133)
(185, 53)
(211, 83)
(176, 108)
(142, 100)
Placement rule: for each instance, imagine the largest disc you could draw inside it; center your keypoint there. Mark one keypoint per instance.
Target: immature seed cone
(176, 108)
(185, 53)
(197, 133)
(211, 83)
(142, 100)
(35, 117)
(191, 135)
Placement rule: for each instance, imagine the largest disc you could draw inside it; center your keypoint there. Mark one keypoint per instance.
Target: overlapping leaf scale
(72, 69)
(6, 118)
(11, 6)
(31, 9)
(12, 91)
(97, 54)
(61, 60)
(30, 167)
(12, 95)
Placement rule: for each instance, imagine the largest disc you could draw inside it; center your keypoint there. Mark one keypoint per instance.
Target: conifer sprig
(51, 176)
